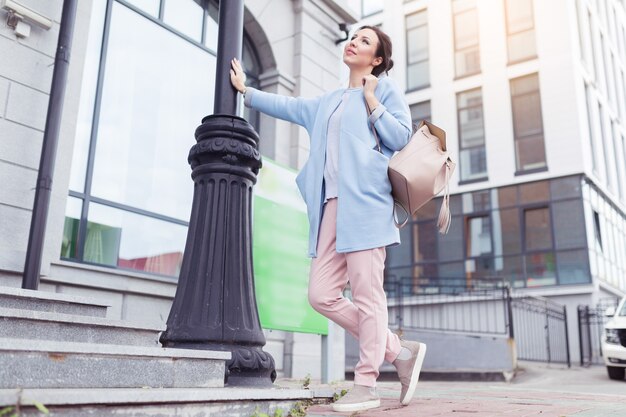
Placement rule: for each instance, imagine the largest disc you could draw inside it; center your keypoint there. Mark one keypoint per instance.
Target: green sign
(280, 245)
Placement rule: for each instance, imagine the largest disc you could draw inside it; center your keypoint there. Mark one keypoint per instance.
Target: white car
(614, 341)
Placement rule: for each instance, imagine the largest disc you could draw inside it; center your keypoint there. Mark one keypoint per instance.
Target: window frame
(458, 76)
(509, 33)
(519, 170)
(463, 181)
(409, 87)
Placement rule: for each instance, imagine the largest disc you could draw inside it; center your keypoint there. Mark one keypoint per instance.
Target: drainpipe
(32, 266)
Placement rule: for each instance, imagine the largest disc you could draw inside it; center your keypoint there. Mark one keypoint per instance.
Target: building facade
(141, 78)
(532, 97)
(531, 94)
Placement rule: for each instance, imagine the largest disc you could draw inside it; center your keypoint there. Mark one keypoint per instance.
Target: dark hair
(383, 51)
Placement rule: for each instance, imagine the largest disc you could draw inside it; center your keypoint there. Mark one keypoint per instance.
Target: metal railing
(480, 306)
(449, 304)
(591, 321)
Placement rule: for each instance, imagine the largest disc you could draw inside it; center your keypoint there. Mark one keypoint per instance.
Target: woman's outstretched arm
(297, 110)
(391, 117)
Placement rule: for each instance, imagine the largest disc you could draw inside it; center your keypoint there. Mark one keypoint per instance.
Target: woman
(350, 209)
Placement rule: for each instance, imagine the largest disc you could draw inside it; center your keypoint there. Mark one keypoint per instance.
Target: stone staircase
(61, 351)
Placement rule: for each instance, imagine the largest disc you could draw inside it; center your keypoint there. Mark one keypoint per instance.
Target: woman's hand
(237, 76)
(370, 82)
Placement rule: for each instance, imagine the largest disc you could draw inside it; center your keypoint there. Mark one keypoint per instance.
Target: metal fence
(591, 321)
(450, 304)
(481, 306)
(541, 332)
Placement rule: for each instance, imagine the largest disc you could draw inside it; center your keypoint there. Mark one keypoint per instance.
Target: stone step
(48, 364)
(41, 325)
(187, 402)
(18, 298)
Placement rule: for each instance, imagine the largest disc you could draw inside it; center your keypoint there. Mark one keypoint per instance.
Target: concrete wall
(453, 352)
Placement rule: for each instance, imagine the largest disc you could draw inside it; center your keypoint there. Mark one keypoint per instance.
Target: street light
(215, 305)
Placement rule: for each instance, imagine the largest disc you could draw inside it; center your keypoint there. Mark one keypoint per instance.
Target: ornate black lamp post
(215, 306)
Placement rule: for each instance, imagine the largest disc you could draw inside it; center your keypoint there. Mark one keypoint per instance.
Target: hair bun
(389, 64)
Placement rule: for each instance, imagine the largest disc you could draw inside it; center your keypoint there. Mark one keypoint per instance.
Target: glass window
(507, 196)
(87, 97)
(583, 32)
(569, 224)
(473, 156)
(510, 233)
(128, 240)
(450, 246)
(520, 30)
(400, 255)
(210, 27)
(537, 229)
(597, 231)
(185, 16)
(418, 75)
(420, 111)
(534, 192)
(573, 267)
(567, 187)
(146, 125)
(476, 201)
(540, 269)
(371, 6)
(69, 245)
(466, 45)
(590, 102)
(140, 187)
(478, 238)
(615, 158)
(149, 6)
(607, 174)
(594, 53)
(511, 268)
(424, 241)
(527, 123)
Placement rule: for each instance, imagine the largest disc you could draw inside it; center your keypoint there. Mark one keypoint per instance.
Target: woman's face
(360, 51)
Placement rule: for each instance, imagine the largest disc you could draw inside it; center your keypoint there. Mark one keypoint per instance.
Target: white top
(331, 166)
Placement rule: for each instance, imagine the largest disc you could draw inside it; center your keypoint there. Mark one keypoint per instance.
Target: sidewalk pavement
(537, 390)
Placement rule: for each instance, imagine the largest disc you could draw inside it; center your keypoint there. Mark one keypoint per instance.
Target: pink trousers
(365, 317)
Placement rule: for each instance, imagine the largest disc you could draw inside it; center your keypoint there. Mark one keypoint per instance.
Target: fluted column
(215, 305)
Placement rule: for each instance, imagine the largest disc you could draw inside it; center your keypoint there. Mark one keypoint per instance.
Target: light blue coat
(365, 205)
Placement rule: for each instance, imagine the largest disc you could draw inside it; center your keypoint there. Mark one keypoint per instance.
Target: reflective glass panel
(540, 269)
(424, 241)
(538, 231)
(210, 28)
(522, 46)
(568, 187)
(418, 75)
(69, 245)
(149, 6)
(420, 111)
(569, 224)
(478, 236)
(530, 153)
(400, 255)
(534, 192)
(519, 15)
(372, 6)
(450, 246)
(151, 106)
(417, 44)
(128, 240)
(185, 16)
(87, 97)
(510, 233)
